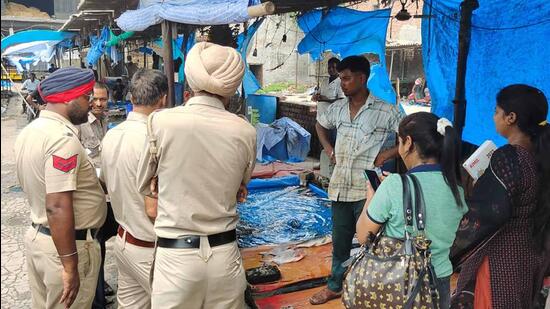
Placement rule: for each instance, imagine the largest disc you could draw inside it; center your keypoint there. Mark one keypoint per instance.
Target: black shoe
(109, 290)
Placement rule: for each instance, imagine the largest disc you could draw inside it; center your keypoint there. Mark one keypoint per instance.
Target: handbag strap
(420, 206)
(407, 202)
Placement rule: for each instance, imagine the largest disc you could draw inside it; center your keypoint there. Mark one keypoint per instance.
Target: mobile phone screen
(372, 177)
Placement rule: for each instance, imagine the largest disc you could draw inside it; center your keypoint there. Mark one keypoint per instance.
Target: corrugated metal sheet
(65, 8)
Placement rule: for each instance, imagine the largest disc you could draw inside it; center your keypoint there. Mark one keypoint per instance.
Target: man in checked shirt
(363, 123)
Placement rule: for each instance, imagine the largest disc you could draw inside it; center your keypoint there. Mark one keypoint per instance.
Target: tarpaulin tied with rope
(346, 32)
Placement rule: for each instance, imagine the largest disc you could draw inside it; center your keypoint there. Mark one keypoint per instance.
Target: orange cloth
(483, 298)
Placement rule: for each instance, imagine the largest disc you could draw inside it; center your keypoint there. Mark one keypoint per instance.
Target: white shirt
(332, 90)
(30, 85)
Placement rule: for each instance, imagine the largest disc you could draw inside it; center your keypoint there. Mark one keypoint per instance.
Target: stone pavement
(15, 220)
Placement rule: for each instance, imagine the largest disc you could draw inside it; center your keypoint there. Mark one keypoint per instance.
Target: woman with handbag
(428, 147)
(505, 269)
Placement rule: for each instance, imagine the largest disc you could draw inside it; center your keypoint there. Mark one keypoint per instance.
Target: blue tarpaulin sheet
(285, 132)
(250, 83)
(509, 45)
(278, 182)
(191, 12)
(282, 215)
(33, 36)
(346, 32)
(97, 46)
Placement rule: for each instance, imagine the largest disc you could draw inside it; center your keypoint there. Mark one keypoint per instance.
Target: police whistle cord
(29, 108)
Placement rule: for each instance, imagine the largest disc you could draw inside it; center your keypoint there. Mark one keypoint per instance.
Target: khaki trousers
(45, 269)
(134, 267)
(199, 278)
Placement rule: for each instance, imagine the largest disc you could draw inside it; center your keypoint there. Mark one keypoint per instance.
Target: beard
(77, 115)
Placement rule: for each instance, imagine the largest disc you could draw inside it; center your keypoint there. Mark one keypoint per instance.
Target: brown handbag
(395, 273)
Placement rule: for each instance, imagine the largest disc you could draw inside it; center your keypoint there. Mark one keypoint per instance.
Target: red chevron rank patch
(64, 165)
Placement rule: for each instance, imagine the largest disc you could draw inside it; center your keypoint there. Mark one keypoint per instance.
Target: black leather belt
(194, 241)
(78, 234)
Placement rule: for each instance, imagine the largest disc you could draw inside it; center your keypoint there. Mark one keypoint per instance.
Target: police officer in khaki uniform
(93, 130)
(91, 135)
(121, 150)
(202, 154)
(66, 199)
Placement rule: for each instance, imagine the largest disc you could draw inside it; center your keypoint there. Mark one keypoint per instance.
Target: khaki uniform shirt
(91, 134)
(204, 154)
(359, 141)
(122, 148)
(51, 159)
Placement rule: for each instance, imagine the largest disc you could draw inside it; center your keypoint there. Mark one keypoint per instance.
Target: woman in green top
(428, 146)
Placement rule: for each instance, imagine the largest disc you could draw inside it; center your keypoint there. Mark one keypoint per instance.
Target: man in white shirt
(330, 92)
(30, 85)
(326, 95)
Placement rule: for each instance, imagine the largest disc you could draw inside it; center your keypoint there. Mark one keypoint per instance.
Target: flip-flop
(323, 296)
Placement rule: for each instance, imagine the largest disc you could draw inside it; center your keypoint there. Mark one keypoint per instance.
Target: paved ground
(15, 220)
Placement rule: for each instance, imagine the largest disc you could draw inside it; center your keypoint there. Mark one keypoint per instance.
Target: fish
(283, 255)
(315, 242)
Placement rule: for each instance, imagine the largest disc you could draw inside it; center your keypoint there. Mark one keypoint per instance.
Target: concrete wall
(272, 52)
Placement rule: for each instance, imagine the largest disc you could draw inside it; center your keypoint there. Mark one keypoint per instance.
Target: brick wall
(305, 116)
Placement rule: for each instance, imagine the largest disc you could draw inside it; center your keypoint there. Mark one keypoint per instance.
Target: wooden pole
(391, 63)
(266, 8)
(296, 77)
(464, 35)
(168, 61)
(144, 54)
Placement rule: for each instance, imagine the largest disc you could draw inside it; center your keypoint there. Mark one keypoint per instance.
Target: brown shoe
(323, 296)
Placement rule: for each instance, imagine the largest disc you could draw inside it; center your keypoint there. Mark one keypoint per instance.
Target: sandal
(324, 296)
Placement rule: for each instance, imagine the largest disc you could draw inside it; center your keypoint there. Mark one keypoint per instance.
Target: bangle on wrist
(67, 255)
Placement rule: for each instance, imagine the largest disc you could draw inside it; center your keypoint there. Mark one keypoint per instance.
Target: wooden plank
(316, 264)
(297, 300)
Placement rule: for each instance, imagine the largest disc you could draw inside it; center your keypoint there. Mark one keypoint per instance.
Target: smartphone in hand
(373, 179)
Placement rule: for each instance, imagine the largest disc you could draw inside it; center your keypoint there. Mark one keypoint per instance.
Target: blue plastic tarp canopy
(346, 32)
(191, 12)
(509, 45)
(26, 48)
(29, 36)
(283, 140)
(97, 46)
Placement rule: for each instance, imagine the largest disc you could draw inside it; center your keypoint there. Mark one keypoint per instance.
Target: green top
(443, 215)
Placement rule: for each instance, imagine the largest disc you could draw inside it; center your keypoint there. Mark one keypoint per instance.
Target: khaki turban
(213, 68)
